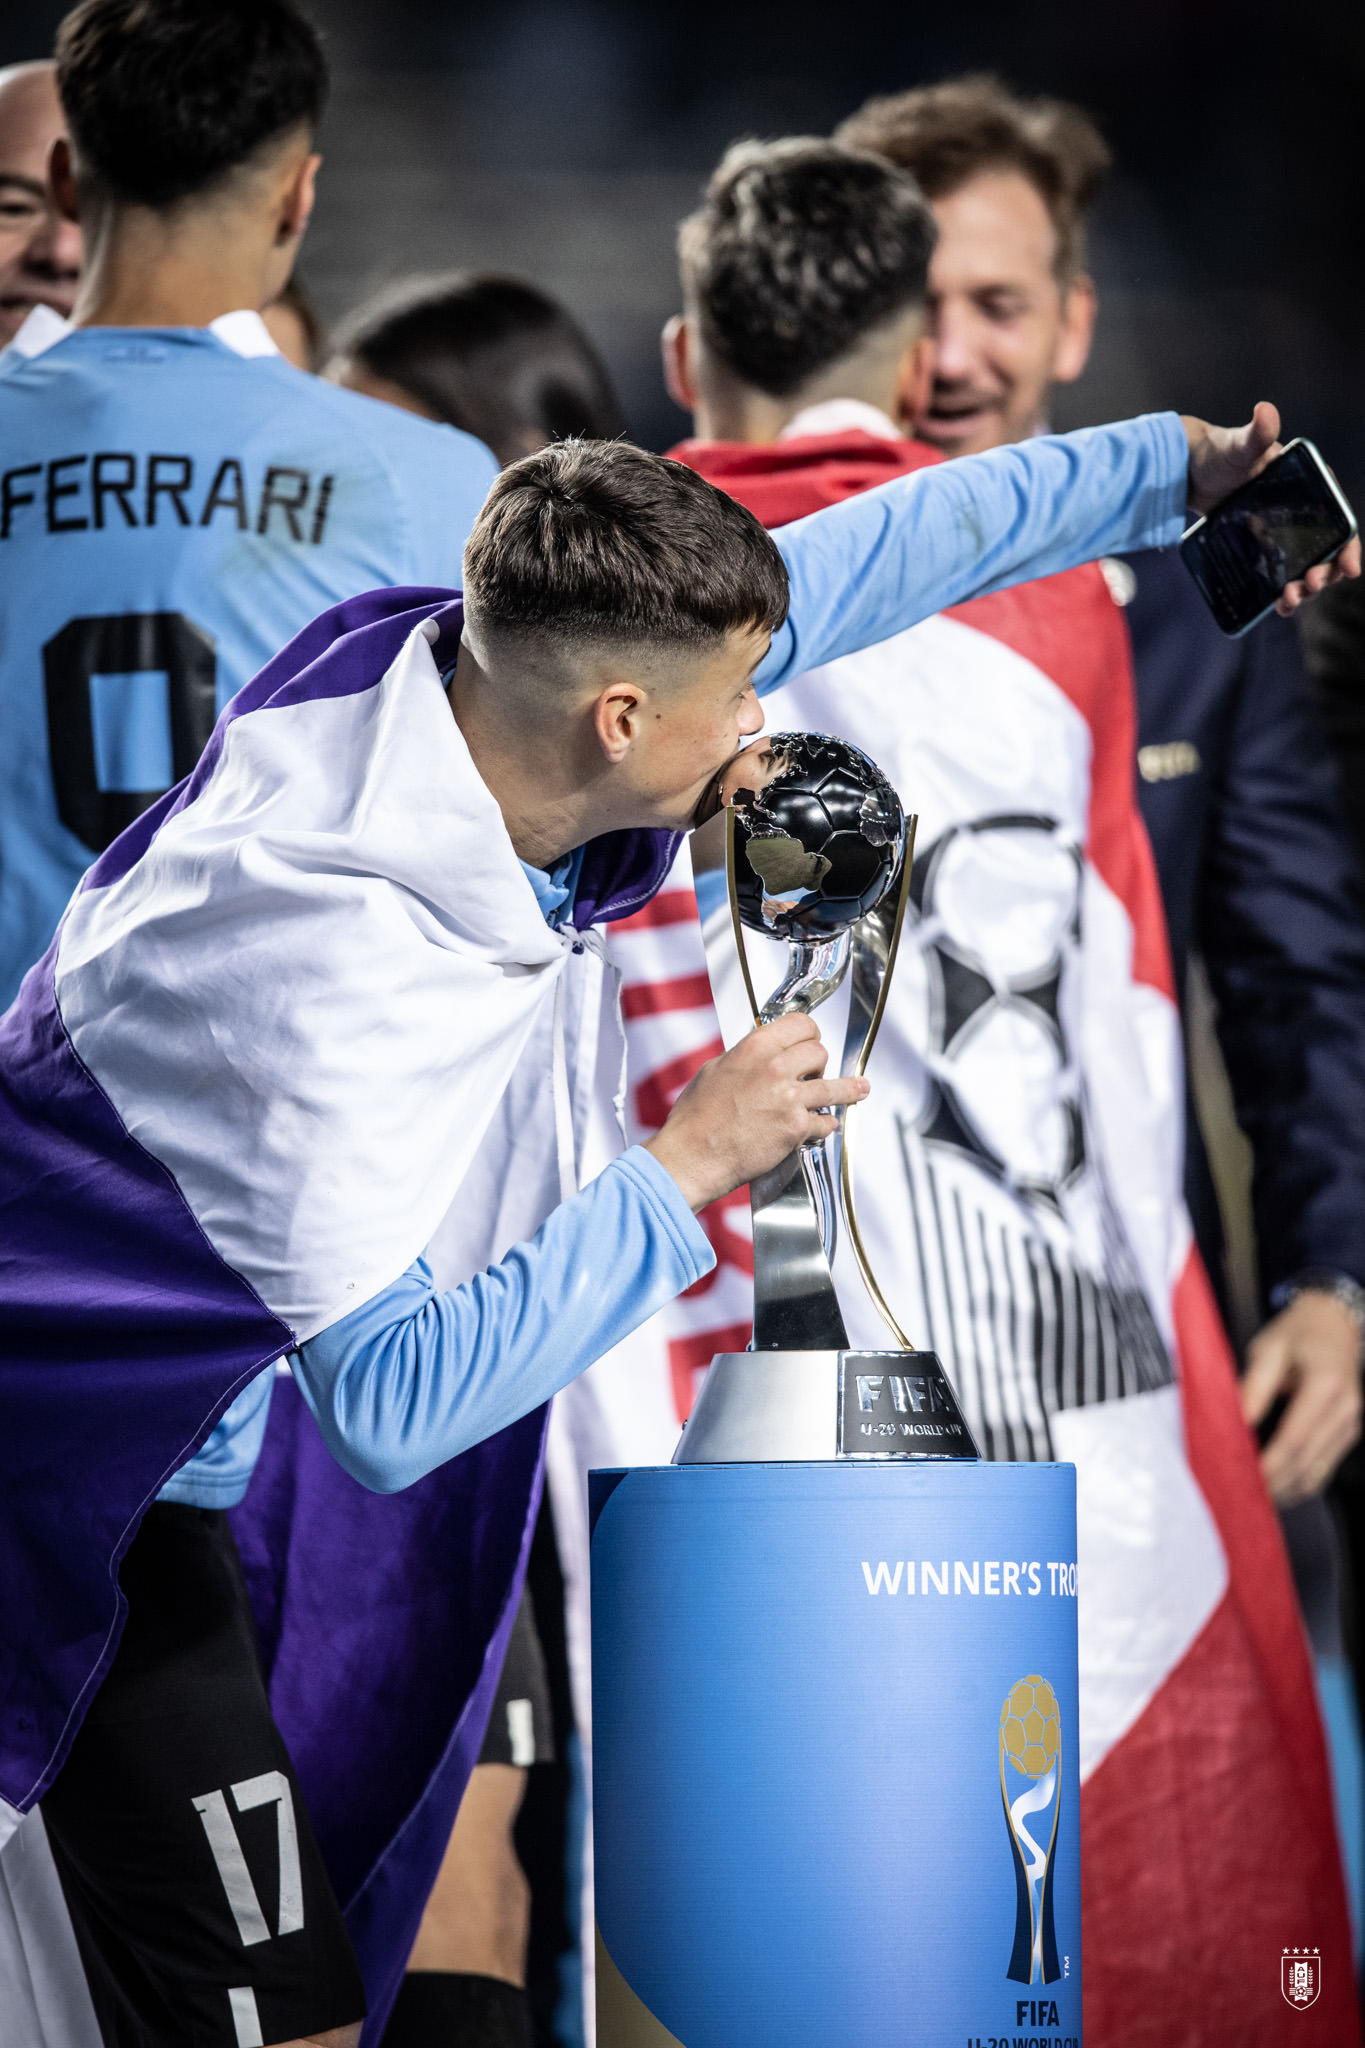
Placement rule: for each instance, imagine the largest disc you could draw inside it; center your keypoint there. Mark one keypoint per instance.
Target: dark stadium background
(563, 138)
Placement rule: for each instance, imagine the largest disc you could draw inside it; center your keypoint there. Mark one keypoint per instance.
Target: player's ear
(914, 380)
(617, 716)
(679, 376)
(297, 200)
(61, 178)
(1079, 307)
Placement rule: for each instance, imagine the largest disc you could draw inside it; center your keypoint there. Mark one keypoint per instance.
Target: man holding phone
(1236, 790)
(1021, 1158)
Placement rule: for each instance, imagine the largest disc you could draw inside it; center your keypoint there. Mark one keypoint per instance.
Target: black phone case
(1194, 544)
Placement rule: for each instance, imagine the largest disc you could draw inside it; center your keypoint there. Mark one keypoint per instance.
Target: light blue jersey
(174, 507)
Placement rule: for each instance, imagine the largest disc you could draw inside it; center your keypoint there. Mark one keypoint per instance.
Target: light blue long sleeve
(416, 1376)
(882, 561)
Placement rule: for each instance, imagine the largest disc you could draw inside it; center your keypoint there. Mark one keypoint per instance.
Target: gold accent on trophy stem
(733, 892)
(855, 1236)
(907, 865)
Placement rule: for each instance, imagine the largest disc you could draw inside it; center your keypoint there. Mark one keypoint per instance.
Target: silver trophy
(819, 853)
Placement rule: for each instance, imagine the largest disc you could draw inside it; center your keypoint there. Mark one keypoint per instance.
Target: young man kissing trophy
(341, 984)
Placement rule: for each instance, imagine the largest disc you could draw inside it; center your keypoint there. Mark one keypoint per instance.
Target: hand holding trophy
(818, 852)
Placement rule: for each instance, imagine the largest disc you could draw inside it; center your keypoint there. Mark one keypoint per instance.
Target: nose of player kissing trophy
(818, 852)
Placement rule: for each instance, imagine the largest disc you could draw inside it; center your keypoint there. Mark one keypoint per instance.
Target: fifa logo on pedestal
(1030, 1757)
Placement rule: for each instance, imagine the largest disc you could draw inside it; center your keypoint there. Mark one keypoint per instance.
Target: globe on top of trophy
(818, 831)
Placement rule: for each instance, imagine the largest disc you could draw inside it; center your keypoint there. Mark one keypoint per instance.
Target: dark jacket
(1334, 644)
(1259, 876)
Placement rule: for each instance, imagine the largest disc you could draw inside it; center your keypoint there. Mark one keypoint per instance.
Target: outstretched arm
(884, 560)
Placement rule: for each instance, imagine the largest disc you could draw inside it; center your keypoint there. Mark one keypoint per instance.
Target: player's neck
(733, 410)
(143, 271)
(730, 411)
(546, 817)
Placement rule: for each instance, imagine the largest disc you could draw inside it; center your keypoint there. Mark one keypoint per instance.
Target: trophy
(818, 852)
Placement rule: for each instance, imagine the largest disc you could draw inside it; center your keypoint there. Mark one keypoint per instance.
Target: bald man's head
(40, 252)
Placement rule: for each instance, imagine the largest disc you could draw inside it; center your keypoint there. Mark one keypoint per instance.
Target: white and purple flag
(238, 1096)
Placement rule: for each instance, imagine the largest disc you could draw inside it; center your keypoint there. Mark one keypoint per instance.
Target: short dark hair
(491, 354)
(945, 134)
(599, 540)
(165, 98)
(799, 249)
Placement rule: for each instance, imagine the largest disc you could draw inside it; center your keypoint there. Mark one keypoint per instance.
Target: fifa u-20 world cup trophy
(818, 852)
(825, 1581)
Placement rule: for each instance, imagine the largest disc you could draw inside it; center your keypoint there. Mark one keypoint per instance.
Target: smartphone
(1269, 533)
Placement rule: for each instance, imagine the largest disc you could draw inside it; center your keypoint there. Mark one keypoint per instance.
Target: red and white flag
(1019, 1167)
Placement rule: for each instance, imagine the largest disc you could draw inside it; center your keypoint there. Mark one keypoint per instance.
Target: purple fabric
(123, 1336)
(620, 872)
(383, 1622)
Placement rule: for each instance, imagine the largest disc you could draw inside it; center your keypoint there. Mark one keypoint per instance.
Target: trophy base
(793, 1407)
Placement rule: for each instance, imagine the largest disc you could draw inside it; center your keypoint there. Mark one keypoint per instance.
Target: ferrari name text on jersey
(78, 493)
(175, 505)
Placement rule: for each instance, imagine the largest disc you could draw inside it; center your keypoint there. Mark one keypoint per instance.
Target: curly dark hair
(945, 134)
(799, 249)
(166, 98)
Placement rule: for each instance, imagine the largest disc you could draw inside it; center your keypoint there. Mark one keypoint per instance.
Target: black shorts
(203, 1913)
(519, 1726)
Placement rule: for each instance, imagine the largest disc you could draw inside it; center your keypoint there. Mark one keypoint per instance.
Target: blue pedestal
(836, 1796)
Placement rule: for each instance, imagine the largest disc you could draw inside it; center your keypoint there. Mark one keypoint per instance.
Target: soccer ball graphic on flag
(996, 925)
(1030, 1726)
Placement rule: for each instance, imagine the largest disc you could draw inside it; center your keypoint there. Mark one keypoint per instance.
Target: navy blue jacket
(1259, 876)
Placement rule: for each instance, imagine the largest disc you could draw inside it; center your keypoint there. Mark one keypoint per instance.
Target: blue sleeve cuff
(666, 1198)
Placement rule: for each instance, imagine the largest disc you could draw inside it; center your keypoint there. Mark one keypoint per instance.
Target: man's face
(1002, 328)
(691, 732)
(40, 252)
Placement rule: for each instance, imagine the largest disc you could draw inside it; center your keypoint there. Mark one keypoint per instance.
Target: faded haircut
(946, 134)
(601, 541)
(799, 250)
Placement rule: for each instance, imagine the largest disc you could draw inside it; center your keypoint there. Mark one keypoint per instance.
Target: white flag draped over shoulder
(266, 1055)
